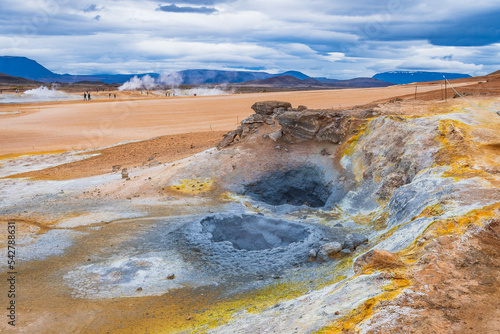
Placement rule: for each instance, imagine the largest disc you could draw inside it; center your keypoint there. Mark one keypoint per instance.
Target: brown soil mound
(157, 150)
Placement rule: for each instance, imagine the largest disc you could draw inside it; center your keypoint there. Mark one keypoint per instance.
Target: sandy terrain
(77, 125)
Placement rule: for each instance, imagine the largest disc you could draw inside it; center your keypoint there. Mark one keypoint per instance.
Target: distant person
(115, 96)
(109, 95)
(89, 97)
(84, 96)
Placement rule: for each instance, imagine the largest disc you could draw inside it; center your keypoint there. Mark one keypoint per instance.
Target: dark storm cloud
(199, 2)
(92, 8)
(477, 30)
(185, 9)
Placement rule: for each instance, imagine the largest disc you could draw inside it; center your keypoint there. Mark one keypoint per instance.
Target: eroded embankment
(304, 221)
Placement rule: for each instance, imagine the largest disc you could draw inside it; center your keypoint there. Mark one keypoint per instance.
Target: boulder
(376, 260)
(354, 240)
(267, 107)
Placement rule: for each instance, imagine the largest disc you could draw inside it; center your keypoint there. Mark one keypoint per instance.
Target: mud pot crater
(303, 185)
(250, 244)
(252, 233)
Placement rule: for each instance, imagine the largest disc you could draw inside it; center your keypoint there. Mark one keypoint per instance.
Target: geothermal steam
(39, 94)
(168, 80)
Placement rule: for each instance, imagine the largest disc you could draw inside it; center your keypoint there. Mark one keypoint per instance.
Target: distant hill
(405, 77)
(6, 79)
(26, 68)
(287, 81)
(296, 74)
(495, 73)
(196, 77)
(362, 83)
(283, 81)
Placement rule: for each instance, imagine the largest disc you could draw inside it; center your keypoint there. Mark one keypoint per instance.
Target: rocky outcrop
(268, 107)
(376, 260)
(299, 124)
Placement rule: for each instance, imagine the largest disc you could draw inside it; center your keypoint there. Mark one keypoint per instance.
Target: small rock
(264, 136)
(420, 242)
(151, 158)
(312, 255)
(277, 147)
(139, 289)
(301, 108)
(332, 248)
(275, 276)
(171, 276)
(124, 173)
(324, 152)
(337, 313)
(353, 240)
(345, 251)
(376, 259)
(116, 168)
(189, 317)
(275, 135)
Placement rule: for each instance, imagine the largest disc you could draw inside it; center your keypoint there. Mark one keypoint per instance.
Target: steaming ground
(41, 94)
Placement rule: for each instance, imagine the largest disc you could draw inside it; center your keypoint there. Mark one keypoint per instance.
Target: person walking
(89, 97)
(84, 96)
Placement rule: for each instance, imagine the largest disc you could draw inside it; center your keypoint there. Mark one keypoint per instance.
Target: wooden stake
(445, 92)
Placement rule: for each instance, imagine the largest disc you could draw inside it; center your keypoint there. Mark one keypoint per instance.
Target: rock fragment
(376, 260)
(124, 173)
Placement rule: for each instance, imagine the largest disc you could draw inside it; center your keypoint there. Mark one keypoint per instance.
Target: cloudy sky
(330, 38)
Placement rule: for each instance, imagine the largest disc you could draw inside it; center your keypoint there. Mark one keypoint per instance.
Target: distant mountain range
(406, 77)
(30, 69)
(26, 68)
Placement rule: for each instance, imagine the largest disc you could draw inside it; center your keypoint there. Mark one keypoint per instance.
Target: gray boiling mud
(249, 245)
(254, 232)
(304, 185)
